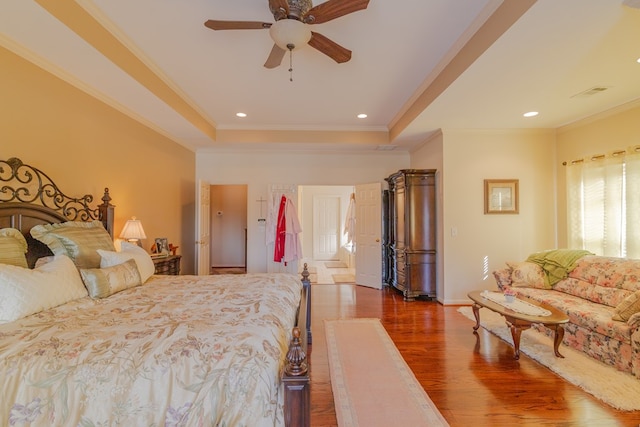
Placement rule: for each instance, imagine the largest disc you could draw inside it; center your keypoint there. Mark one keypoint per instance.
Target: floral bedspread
(177, 351)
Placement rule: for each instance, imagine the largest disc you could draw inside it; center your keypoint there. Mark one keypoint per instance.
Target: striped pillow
(102, 282)
(628, 307)
(13, 246)
(79, 241)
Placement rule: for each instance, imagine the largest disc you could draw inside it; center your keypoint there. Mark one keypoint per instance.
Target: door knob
(377, 240)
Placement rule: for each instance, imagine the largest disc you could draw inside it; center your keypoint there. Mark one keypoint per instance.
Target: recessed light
(531, 114)
(241, 114)
(362, 116)
(638, 61)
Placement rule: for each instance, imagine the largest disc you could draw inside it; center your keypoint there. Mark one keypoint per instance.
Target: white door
(369, 235)
(203, 226)
(326, 227)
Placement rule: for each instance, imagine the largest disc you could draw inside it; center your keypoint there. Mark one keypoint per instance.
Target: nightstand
(168, 265)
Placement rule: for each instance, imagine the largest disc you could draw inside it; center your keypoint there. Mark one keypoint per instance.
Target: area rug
(343, 278)
(335, 264)
(372, 384)
(617, 389)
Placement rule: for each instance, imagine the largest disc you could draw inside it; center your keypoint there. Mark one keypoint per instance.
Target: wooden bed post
(297, 393)
(306, 284)
(296, 380)
(106, 212)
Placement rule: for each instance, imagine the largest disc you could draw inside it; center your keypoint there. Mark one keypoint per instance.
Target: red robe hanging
(281, 231)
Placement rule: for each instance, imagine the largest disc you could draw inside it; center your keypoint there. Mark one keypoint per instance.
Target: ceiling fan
(291, 29)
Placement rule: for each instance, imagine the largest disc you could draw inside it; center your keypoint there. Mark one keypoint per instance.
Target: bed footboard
(296, 380)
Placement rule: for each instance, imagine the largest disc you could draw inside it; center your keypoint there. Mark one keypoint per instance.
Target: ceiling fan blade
(279, 8)
(329, 48)
(333, 9)
(236, 25)
(275, 57)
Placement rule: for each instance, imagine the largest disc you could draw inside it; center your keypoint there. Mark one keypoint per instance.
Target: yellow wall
(84, 145)
(471, 244)
(615, 130)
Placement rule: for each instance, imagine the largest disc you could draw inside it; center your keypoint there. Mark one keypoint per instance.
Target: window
(603, 205)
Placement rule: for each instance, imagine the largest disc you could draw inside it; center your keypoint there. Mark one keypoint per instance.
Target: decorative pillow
(43, 260)
(13, 246)
(102, 282)
(526, 275)
(78, 240)
(146, 267)
(24, 291)
(628, 307)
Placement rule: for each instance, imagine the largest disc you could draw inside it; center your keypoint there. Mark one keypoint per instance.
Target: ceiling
(417, 66)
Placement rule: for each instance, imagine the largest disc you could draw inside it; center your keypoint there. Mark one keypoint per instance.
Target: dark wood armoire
(411, 233)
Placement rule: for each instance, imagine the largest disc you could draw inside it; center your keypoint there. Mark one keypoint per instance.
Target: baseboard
(465, 301)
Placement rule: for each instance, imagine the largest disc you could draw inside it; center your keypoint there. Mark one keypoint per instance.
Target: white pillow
(24, 291)
(128, 251)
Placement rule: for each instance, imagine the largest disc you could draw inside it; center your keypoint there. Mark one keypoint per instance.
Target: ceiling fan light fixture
(289, 32)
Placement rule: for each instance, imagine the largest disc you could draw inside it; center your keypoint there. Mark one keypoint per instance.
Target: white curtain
(603, 205)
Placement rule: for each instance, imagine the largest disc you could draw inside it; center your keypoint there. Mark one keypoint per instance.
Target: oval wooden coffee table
(518, 322)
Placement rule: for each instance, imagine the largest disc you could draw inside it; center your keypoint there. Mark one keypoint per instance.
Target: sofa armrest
(503, 277)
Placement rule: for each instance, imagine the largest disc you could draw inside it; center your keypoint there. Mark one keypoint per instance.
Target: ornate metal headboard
(28, 197)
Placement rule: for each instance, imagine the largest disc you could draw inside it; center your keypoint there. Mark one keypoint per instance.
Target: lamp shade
(290, 32)
(133, 230)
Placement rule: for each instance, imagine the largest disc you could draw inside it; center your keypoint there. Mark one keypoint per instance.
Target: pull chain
(290, 47)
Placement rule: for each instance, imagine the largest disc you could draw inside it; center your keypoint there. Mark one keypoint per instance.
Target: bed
(131, 347)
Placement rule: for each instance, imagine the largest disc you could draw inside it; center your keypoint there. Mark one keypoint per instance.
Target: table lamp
(133, 231)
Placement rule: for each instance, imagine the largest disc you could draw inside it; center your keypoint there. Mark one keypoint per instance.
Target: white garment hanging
(350, 221)
(292, 245)
(272, 216)
(276, 191)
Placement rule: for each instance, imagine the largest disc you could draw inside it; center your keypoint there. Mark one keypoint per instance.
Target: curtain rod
(602, 156)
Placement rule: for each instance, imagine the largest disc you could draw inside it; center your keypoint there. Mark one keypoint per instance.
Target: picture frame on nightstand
(162, 246)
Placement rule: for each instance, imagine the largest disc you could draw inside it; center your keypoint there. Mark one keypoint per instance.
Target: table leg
(515, 334)
(476, 314)
(557, 339)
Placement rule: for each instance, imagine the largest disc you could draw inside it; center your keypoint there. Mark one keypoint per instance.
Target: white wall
(484, 242)
(257, 169)
(463, 158)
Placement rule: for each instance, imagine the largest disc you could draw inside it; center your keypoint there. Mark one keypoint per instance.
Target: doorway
(228, 228)
(322, 210)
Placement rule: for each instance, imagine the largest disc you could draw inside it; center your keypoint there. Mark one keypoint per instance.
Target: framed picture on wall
(501, 196)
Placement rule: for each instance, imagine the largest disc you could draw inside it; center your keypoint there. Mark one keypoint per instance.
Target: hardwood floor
(473, 379)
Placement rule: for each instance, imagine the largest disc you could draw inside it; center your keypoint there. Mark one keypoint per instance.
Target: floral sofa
(601, 297)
